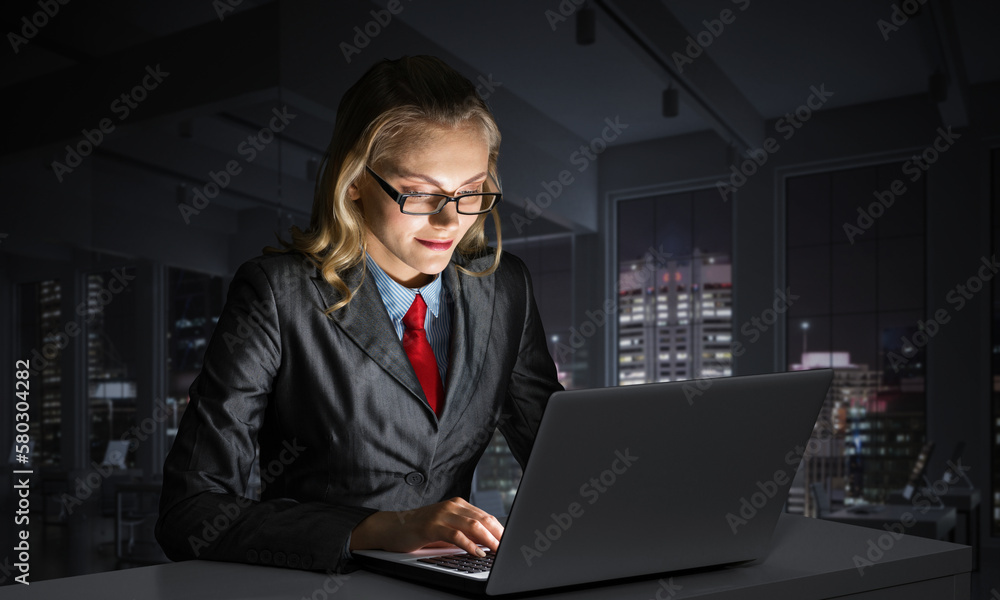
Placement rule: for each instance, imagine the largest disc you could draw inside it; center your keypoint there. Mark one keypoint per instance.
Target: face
(413, 249)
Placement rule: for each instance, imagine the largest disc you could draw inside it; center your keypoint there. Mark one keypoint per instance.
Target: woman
(371, 358)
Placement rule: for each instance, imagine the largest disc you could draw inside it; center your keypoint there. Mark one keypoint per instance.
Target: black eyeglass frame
(400, 198)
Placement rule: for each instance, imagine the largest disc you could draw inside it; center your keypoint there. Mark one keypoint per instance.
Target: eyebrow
(432, 181)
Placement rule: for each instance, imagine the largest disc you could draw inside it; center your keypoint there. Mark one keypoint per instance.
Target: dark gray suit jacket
(342, 423)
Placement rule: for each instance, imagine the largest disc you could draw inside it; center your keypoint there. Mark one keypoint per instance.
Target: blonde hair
(377, 118)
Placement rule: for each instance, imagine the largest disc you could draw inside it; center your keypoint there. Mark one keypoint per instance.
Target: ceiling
(552, 91)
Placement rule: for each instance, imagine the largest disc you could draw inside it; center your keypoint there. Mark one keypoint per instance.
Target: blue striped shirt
(397, 300)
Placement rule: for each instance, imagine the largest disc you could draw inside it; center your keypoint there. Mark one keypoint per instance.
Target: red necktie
(421, 356)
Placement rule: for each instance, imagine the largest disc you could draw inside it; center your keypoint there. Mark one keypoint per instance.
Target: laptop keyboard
(465, 562)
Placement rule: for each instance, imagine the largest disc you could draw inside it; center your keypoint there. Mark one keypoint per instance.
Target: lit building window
(700, 277)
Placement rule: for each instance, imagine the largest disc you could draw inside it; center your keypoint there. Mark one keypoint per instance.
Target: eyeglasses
(432, 204)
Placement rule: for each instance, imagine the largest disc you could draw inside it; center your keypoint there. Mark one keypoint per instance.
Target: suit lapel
(470, 300)
(367, 323)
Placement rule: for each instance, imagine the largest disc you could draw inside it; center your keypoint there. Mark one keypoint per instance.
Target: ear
(353, 193)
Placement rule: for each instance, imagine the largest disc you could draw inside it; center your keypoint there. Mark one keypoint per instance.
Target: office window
(194, 303)
(994, 514)
(42, 334)
(675, 294)
(858, 265)
(111, 369)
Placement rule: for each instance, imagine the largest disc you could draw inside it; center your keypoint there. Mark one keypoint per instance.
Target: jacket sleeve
(533, 378)
(204, 511)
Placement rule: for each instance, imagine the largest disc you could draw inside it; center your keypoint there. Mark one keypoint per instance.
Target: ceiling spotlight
(586, 26)
(670, 102)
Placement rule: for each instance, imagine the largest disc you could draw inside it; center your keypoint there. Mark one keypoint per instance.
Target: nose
(447, 219)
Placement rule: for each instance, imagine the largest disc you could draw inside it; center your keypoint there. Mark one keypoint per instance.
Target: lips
(438, 245)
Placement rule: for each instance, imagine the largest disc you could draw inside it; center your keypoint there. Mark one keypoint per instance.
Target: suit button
(414, 478)
(293, 560)
(279, 559)
(307, 561)
(251, 556)
(265, 557)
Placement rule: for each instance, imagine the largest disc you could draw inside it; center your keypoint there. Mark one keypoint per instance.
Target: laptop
(633, 481)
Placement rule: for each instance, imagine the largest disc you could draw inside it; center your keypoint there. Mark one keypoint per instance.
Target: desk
(810, 559)
(965, 501)
(935, 523)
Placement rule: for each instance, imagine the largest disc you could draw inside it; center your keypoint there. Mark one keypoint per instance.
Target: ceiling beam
(658, 37)
(946, 47)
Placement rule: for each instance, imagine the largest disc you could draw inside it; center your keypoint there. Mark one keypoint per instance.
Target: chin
(436, 265)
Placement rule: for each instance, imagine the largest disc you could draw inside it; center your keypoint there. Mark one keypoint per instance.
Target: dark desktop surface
(809, 558)
(933, 523)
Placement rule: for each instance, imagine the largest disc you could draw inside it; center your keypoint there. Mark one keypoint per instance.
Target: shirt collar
(398, 298)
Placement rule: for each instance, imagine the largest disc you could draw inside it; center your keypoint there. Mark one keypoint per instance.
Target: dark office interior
(700, 189)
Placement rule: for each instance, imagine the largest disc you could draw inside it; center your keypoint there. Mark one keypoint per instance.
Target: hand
(452, 522)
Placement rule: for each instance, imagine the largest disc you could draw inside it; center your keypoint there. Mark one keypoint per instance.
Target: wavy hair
(377, 117)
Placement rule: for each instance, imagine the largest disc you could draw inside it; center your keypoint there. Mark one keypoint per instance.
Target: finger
(473, 523)
(461, 506)
(476, 531)
(458, 537)
(489, 530)
(491, 523)
(494, 525)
